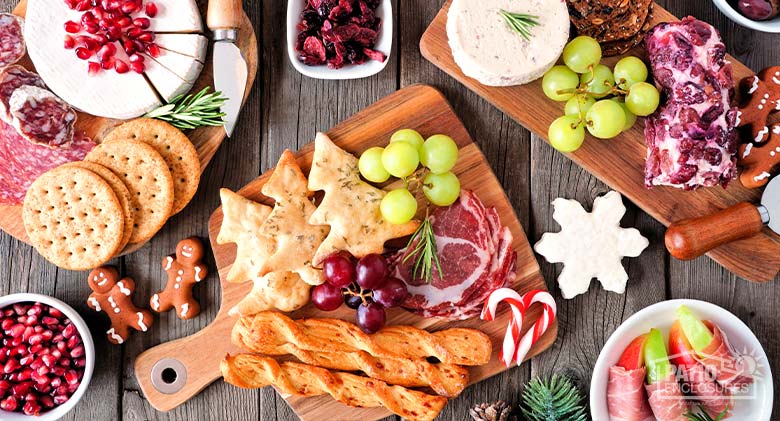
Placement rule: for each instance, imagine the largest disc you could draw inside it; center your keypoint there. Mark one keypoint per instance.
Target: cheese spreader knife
(230, 70)
(691, 238)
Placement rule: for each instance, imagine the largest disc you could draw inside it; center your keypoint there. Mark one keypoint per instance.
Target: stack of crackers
(618, 25)
(80, 215)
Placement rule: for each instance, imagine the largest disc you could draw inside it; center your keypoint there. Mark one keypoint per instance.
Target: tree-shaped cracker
(242, 219)
(288, 226)
(350, 205)
(758, 161)
(764, 91)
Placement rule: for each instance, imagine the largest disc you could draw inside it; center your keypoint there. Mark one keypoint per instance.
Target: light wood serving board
(620, 162)
(205, 139)
(419, 107)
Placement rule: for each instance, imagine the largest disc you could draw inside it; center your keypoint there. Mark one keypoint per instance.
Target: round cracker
(177, 150)
(121, 191)
(73, 218)
(146, 175)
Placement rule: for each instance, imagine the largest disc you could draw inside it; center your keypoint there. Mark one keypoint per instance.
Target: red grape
(353, 301)
(371, 271)
(392, 293)
(338, 270)
(370, 318)
(327, 297)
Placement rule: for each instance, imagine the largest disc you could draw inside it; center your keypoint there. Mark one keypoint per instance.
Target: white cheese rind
(167, 83)
(193, 45)
(186, 67)
(176, 16)
(487, 50)
(106, 94)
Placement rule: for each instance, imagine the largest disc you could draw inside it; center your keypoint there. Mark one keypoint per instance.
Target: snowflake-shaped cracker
(591, 245)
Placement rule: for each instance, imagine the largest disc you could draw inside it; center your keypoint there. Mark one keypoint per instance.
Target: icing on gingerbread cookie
(114, 297)
(758, 161)
(184, 270)
(764, 92)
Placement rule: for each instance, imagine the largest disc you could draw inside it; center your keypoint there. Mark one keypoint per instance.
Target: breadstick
(266, 332)
(253, 371)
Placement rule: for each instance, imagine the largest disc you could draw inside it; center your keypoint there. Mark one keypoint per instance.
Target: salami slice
(11, 78)
(11, 39)
(42, 117)
(23, 162)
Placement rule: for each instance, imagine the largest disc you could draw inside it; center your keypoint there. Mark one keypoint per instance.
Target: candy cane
(541, 325)
(517, 305)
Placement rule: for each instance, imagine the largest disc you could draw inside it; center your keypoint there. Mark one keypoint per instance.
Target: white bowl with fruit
(47, 358)
(760, 15)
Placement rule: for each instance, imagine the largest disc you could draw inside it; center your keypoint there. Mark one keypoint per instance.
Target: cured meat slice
(11, 78)
(729, 370)
(713, 397)
(476, 257)
(691, 140)
(42, 117)
(626, 397)
(12, 47)
(23, 161)
(666, 400)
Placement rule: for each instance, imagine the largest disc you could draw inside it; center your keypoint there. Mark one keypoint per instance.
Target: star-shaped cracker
(350, 205)
(591, 245)
(283, 291)
(288, 226)
(242, 219)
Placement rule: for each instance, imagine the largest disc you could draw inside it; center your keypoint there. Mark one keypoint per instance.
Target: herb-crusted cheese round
(488, 50)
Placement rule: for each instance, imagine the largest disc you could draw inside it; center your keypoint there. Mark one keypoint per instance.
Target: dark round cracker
(622, 27)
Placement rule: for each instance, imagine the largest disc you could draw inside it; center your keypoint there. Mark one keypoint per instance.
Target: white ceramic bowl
(772, 25)
(89, 352)
(661, 316)
(384, 43)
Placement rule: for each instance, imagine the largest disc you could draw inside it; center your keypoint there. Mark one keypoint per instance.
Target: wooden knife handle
(224, 14)
(691, 238)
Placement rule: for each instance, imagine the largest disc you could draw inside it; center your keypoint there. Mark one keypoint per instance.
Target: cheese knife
(691, 238)
(224, 17)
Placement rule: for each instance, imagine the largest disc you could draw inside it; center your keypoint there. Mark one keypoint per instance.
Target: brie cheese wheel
(167, 83)
(488, 50)
(186, 67)
(193, 45)
(176, 16)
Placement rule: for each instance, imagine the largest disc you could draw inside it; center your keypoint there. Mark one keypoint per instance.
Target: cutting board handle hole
(169, 376)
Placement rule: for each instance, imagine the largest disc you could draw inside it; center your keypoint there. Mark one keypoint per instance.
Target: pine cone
(495, 411)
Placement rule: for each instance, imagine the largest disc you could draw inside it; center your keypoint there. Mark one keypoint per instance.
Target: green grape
(630, 117)
(599, 82)
(560, 78)
(400, 159)
(398, 206)
(605, 119)
(630, 70)
(581, 53)
(578, 105)
(642, 99)
(439, 153)
(370, 165)
(409, 136)
(566, 133)
(441, 189)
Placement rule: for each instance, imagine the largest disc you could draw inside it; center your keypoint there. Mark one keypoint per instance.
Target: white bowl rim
(384, 44)
(600, 369)
(89, 352)
(770, 26)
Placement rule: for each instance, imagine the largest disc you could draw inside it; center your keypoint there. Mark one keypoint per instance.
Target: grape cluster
(401, 159)
(603, 100)
(364, 286)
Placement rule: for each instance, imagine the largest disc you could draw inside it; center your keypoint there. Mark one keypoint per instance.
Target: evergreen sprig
(521, 23)
(192, 111)
(554, 399)
(702, 415)
(422, 248)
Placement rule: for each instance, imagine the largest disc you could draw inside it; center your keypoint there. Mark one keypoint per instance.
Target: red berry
(151, 9)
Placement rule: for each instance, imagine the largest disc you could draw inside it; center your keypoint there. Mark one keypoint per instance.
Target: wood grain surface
(619, 162)
(284, 110)
(205, 139)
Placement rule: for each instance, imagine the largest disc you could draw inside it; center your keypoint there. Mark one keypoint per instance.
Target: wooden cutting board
(620, 162)
(419, 107)
(205, 139)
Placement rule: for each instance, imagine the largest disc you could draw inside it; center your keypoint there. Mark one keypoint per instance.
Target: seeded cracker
(146, 175)
(73, 218)
(350, 205)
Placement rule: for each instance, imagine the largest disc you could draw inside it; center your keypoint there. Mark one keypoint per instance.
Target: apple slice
(656, 358)
(633, 356)
(680, 350)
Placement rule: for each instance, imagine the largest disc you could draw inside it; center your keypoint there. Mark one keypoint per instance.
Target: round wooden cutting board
(205, 139)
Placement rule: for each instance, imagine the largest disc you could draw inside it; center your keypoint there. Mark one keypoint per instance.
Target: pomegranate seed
(92, 28)
(72, 388)
(42, 371)
(9, 312)
(123, 22)
(106, 52)
(38, 329)
(9, 404)
(21, 389)
(22, 319)
(69, 331)
(151, 9)
(20, 309)
(83, 53)
(53, 312)
(8, 322)
(153, 50)
(80, 362)
(137, 67)
(128, 46)
(84, 5)
(56, 382)
(121, 67)
(61, 390)
(39, 378)
(88, 18)
(134, 32)
(136, 58)
(24, 374)
(48, 360)
(72, 27)
(72, 377)
(56, 353)
(113, 33)
(47, 401)
(73, 342)
(32, 408)
(60, 399)
(71, 4)
(141, 22)
(146, 36)
(5, 384)
(47, 335)
(77, 352)
(37, 363)
(10, 366)
(27, 359)
(35, 310)
(58, 371)
(129, 7)
(17, 340)
(16, 330)
(93, 68)
(108, 63)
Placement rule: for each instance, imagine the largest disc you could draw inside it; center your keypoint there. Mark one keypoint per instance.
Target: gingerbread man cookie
(184, 270)
(759, 160)
(764, 92)
(114, 297)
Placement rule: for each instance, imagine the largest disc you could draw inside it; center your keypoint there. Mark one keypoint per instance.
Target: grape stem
(364, 294)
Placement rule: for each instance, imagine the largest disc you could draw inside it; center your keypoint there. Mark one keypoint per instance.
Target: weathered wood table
(285, 110)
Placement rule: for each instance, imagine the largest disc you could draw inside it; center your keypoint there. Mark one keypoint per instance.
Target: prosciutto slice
(720, 359)
(666, 400)
(713, 397)
(626, 397)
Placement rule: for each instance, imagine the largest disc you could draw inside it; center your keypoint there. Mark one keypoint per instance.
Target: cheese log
(168, 84)
(193, 45)
(176, 16)
(186, 67)
(106, 94)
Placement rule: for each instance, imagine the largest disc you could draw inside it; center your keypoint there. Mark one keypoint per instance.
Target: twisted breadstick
(253, 371)
(266, 332)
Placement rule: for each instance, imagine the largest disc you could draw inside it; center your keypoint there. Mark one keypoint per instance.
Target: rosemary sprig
(702, 415)
(422, 247)
(192, 111)
(521, 23)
